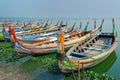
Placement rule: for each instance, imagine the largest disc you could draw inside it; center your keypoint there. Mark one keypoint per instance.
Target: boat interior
(92, 47)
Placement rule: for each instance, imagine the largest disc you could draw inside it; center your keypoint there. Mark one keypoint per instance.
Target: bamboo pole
(78, 71)
(83, 70)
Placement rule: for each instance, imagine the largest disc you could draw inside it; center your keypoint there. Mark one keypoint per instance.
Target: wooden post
(83, 70)
(78, 71)
(60, 44)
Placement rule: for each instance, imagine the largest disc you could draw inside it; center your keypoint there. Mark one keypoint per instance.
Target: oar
(86, 25)
(101, 25)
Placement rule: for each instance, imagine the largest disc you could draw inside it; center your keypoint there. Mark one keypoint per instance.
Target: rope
(74, 77)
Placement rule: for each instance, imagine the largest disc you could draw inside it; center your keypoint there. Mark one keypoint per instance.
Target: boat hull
(52, 48)
(86, 62)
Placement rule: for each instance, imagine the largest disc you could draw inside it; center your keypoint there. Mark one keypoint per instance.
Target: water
(107, 27)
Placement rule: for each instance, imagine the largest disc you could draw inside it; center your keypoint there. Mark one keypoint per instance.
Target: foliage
(49, 62)
(6, 50)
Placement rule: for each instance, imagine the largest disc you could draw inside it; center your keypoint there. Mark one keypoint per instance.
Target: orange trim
(47, 41)
(43, 42)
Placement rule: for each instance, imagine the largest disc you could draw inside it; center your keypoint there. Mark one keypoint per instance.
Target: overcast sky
(59, 8)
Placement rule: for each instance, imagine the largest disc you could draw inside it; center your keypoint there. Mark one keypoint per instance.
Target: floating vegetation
(54, 68)
(33, 65)
(89, 75)
(6, 50)
(39, 62)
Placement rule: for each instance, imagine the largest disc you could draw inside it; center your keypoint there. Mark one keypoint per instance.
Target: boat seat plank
(80, 54)
(107, 45)
(97, 49)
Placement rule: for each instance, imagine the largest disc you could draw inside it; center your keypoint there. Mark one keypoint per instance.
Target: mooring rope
(74, 77)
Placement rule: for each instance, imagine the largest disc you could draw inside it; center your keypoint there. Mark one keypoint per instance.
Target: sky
(59, 8)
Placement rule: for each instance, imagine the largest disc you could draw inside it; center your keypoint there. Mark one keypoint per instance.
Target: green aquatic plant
(49, 62)
(90, 75)
(39, 62)
(6, 50)
(54, 68)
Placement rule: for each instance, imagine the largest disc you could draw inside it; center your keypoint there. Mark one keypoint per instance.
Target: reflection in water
(115, 69)
(105, 65)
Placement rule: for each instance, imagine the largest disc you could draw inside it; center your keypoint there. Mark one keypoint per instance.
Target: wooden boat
(44, 36)
(39, 29)
(48, 36)
(53, 29)
(89, 53)
(37, 38)
(50, 46)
